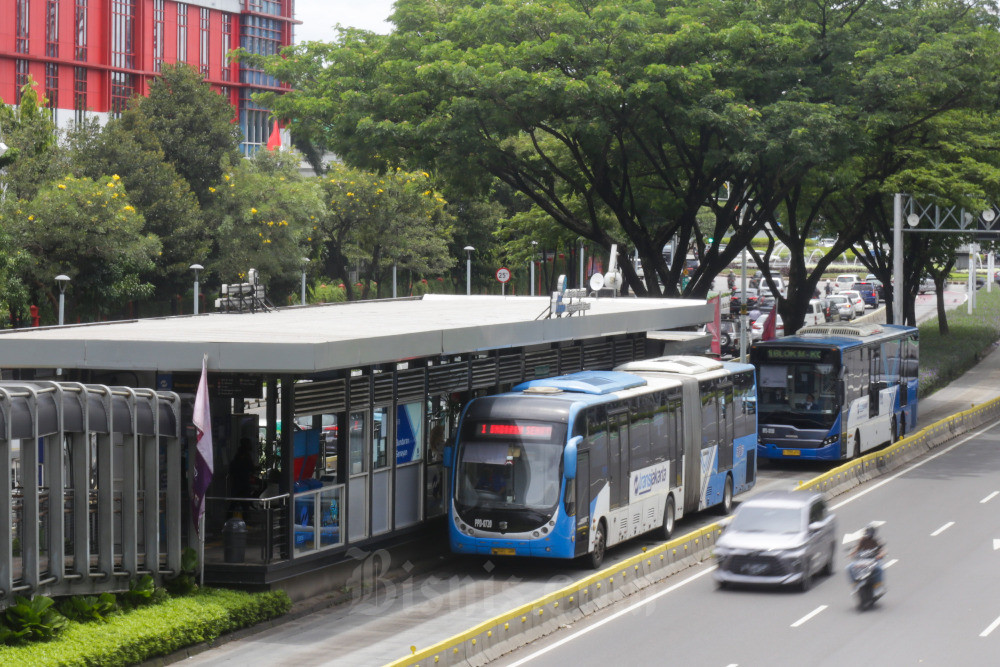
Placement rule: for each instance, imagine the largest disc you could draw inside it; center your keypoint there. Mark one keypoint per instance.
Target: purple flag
(203, 465)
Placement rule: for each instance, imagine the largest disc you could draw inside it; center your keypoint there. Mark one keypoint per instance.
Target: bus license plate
(791, 452)
(502, 552)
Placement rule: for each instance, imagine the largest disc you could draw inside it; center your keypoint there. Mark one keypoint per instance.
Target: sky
(319, 16)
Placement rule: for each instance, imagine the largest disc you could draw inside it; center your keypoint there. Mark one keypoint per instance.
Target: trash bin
(234, 540)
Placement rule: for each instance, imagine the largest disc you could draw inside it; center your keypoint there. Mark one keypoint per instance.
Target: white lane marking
(993, 626)
(856, 535)
(989, 497)
(890, 563)
(942, 528)
(612, 617)
(805, 618)
(914, 466)
(996, 545)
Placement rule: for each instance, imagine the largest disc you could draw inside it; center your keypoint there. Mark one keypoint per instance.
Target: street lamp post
(468, 270)
(196, 268)
(305, 263)
(534, 244)
(62, 279)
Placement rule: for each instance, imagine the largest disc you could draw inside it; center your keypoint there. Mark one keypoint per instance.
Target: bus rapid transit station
(357, 402)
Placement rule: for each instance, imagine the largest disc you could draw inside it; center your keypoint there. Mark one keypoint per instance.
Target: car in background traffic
(752, 296)
(926, 285)
(842, 306)
(855, 298)
(816, 313)
(777, 538)
(843, 282)
(879, 285)
(729, 337)
(757, 330)
(867, 291)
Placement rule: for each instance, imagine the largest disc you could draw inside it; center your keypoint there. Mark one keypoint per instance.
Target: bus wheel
(667, 529)
(597, 555)
(726, 506)
(857, 444)
(895, 432)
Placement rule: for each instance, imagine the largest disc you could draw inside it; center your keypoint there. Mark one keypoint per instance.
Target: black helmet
(870, 530)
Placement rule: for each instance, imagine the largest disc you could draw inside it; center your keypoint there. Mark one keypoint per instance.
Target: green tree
(159, 194)
(625, 119)
(88, 230)
(262, 209)
(191, 123)
(373, 221)
(30, 134)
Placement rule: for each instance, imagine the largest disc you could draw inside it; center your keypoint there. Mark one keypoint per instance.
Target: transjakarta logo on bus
(648, 480)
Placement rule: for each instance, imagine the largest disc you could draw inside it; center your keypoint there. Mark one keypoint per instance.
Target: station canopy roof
(318, 338)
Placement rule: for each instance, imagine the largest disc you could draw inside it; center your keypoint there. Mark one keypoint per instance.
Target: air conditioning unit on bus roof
(852, 330)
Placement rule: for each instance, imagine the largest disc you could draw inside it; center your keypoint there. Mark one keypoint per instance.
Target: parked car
(777, 538)
(868, 292)
(855, 298)
(815, 313)
(842, 306)
(757, 330)
(926, 285)
(844, 282)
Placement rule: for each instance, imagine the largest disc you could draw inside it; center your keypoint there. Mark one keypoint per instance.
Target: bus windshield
(510, 467)
(803, 394)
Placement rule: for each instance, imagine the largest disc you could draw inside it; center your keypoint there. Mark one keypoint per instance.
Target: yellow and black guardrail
(501, 634)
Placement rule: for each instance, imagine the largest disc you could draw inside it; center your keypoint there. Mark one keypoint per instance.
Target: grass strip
(969, 339)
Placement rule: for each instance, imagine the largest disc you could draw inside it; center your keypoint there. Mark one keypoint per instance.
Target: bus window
(597, 443)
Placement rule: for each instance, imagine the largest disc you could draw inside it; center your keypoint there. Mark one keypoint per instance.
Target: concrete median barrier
(501, 634)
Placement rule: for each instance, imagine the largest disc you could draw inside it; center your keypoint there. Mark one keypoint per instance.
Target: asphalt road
(942, 529)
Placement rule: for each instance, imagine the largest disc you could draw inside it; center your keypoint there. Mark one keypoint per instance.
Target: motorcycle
(862, 573)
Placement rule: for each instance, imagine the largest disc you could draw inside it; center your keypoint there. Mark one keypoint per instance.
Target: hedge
(148, 632)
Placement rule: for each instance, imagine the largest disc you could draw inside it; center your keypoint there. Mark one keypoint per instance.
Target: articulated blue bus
(565, 467)
(834, 391)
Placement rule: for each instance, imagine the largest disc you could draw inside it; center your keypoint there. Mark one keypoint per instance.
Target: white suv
(844, 282)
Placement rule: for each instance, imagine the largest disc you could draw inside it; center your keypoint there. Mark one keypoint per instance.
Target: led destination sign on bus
(793, 354)
(516, 430)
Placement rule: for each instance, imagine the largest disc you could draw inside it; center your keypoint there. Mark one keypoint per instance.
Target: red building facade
(89, 56)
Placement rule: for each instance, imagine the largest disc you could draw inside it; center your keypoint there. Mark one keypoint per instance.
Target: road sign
(503, 274)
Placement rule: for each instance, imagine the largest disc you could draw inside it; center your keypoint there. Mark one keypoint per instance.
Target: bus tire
(857, 445)
(726, 506)
(669, 516)
(894, 432)
(600, 544)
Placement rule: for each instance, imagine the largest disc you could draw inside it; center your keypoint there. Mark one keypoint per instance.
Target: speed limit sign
(503, 274)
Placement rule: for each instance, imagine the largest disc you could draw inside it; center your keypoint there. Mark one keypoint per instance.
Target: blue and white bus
(567, 466)
(835, 391)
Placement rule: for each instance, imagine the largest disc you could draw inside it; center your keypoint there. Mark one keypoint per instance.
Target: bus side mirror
(569, 457)
(449, 455)
(840, 392)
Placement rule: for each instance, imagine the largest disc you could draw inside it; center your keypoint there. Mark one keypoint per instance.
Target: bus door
(874, 383)
(582, 502)
(726, 425)
(618, 453)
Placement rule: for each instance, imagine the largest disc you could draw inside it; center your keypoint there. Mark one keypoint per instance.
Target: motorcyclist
(869, 542)
(731, 281)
